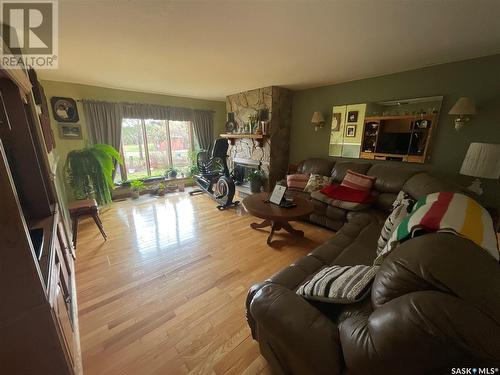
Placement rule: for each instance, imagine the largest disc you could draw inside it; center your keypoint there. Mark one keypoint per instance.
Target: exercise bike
(214, 177)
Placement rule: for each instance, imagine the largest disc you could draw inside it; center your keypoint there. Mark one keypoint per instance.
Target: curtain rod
(161, 105)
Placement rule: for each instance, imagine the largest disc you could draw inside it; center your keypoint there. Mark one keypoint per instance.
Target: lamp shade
(463, 106)
(482, 160)
(317, 118)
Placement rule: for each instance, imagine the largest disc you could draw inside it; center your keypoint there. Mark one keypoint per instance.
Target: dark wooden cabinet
(404, 138)
(38, 314)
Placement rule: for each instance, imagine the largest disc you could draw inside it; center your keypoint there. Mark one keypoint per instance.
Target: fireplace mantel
(233, 137)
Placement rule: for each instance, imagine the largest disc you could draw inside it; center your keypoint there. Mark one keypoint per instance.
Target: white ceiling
(209, 49)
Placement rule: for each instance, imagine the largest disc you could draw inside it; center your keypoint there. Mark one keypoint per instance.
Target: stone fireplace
(270, 154)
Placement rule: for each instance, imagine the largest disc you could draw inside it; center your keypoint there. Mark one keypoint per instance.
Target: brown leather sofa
(434, 304)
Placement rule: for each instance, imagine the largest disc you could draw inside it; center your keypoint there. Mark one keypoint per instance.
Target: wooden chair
(86, 207)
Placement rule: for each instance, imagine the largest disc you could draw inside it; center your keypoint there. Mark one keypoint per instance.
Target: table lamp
(481, 161)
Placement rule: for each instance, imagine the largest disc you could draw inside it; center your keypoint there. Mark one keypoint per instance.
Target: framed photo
(350, 130)
(64, 109)
(278, 194)
(336, 119)
(70, 131)
(352, 116)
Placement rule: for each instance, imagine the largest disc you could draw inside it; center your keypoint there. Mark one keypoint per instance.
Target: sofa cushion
(341, 168)
(422, 184)
(358, 181)
(316, 182)
(384, 201)
(390, 177)
(317, 166)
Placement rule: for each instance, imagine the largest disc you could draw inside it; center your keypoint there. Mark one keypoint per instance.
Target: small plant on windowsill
(136, 187)
(256, 178)
(160, 190)
(171, 173)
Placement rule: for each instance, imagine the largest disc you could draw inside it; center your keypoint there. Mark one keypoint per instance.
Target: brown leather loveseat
(434, 304)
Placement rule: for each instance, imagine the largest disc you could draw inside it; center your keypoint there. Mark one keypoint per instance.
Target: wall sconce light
(318, 120)
(463, 108)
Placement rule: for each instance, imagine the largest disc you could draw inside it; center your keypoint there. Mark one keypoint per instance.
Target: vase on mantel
(231, 125)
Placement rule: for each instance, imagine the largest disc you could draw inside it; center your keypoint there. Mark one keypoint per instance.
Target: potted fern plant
(89, 172)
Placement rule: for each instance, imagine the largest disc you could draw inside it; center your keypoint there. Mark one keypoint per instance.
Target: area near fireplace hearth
(270, 151)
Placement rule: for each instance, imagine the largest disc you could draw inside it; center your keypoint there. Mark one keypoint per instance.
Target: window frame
(123, 170)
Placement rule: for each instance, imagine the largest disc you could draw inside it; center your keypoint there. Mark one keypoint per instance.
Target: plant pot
(134, 194)
(255, 186)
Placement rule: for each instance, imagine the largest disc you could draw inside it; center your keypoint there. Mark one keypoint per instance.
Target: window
(149, 147)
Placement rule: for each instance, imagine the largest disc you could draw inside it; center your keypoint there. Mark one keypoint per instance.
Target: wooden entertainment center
(38, 314)
(403, 138)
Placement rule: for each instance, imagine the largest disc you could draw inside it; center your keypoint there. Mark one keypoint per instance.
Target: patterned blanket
(446, 212)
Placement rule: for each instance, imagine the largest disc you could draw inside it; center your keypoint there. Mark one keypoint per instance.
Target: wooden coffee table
(275, 216)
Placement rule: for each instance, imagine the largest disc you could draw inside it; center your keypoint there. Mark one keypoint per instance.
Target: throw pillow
(316, 182)
(358, 181)
(400, 209)
(338, 284)
(297, 181)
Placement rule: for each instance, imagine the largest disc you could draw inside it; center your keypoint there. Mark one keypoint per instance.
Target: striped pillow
(297, 181)
(358, 181)
(400, 209)
(338, 284)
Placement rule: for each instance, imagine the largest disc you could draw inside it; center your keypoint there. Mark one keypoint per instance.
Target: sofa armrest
(443, 262)
(302, 337)
(420, 333)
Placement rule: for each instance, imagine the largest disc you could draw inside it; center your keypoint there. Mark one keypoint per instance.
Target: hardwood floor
(166, 293)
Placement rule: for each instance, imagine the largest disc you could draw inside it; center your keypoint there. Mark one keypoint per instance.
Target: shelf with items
(405, 138)
(233, 136)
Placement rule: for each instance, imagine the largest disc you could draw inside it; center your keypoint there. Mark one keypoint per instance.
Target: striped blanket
(446, 212)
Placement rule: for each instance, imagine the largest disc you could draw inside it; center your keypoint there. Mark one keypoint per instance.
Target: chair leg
(98, 222)
(75, 230)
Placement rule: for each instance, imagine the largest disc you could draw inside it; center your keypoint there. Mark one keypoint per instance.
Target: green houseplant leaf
(90, 172)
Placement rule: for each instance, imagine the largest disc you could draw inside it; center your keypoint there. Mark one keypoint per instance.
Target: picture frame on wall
(64, 109)
(350, 131)
(70, 131)
(336, 121)
(352, 116)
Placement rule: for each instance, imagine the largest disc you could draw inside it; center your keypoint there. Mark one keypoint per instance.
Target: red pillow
(297, 181)
(358, 181)
(347, 194)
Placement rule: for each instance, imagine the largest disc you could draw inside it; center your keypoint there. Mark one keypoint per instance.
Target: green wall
(478, 78)
(77, 91)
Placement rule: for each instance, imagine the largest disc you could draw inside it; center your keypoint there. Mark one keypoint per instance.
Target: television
(393, 143)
